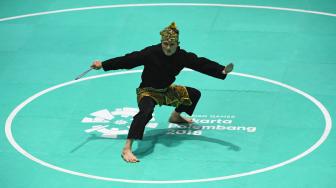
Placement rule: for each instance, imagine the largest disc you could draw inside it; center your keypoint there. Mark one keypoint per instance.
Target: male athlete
(162, 63)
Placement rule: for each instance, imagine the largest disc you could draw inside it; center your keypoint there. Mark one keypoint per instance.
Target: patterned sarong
(174, 95)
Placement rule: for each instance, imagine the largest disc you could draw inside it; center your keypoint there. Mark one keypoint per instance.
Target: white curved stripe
(167, 4)
(328, 125)
(316, 102)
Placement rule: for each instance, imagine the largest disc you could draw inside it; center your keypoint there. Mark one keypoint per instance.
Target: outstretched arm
(206, 66)
(127, 61)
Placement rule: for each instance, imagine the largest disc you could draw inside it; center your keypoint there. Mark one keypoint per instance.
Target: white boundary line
(325, 112)
(8, 131)
(167, 4)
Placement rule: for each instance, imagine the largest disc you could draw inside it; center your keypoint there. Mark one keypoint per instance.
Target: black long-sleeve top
(160, 70)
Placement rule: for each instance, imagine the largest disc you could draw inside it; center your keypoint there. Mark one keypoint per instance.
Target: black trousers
(146, 109)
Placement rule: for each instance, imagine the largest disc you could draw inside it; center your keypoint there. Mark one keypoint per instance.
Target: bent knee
(146, 111)
(194, 93)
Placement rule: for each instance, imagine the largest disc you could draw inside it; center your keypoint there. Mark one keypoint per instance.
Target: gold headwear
(170, 33)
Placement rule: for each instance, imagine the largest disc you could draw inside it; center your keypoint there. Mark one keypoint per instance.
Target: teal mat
(265, 125)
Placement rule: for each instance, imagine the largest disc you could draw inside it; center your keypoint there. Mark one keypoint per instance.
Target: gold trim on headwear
(170, 33)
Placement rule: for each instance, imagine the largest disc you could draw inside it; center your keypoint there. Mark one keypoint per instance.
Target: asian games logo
(111, 124)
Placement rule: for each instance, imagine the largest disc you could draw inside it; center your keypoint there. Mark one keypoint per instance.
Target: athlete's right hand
(96, 65)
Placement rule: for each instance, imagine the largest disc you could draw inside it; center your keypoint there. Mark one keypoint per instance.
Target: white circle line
(167, 4)
(12, 141)
(322, 108)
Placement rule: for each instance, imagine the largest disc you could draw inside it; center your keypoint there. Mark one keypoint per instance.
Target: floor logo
(110, 124)
(206, 122)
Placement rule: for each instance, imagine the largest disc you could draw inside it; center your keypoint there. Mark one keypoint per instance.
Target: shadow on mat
(92, 137)
(160, 136)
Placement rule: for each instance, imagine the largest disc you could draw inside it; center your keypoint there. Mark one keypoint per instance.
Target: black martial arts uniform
(159, 73)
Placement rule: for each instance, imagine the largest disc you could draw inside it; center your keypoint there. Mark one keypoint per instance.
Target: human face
(169, 48)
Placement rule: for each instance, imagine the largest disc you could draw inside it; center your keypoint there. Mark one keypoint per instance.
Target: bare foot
(128, 156)
(177, 118)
